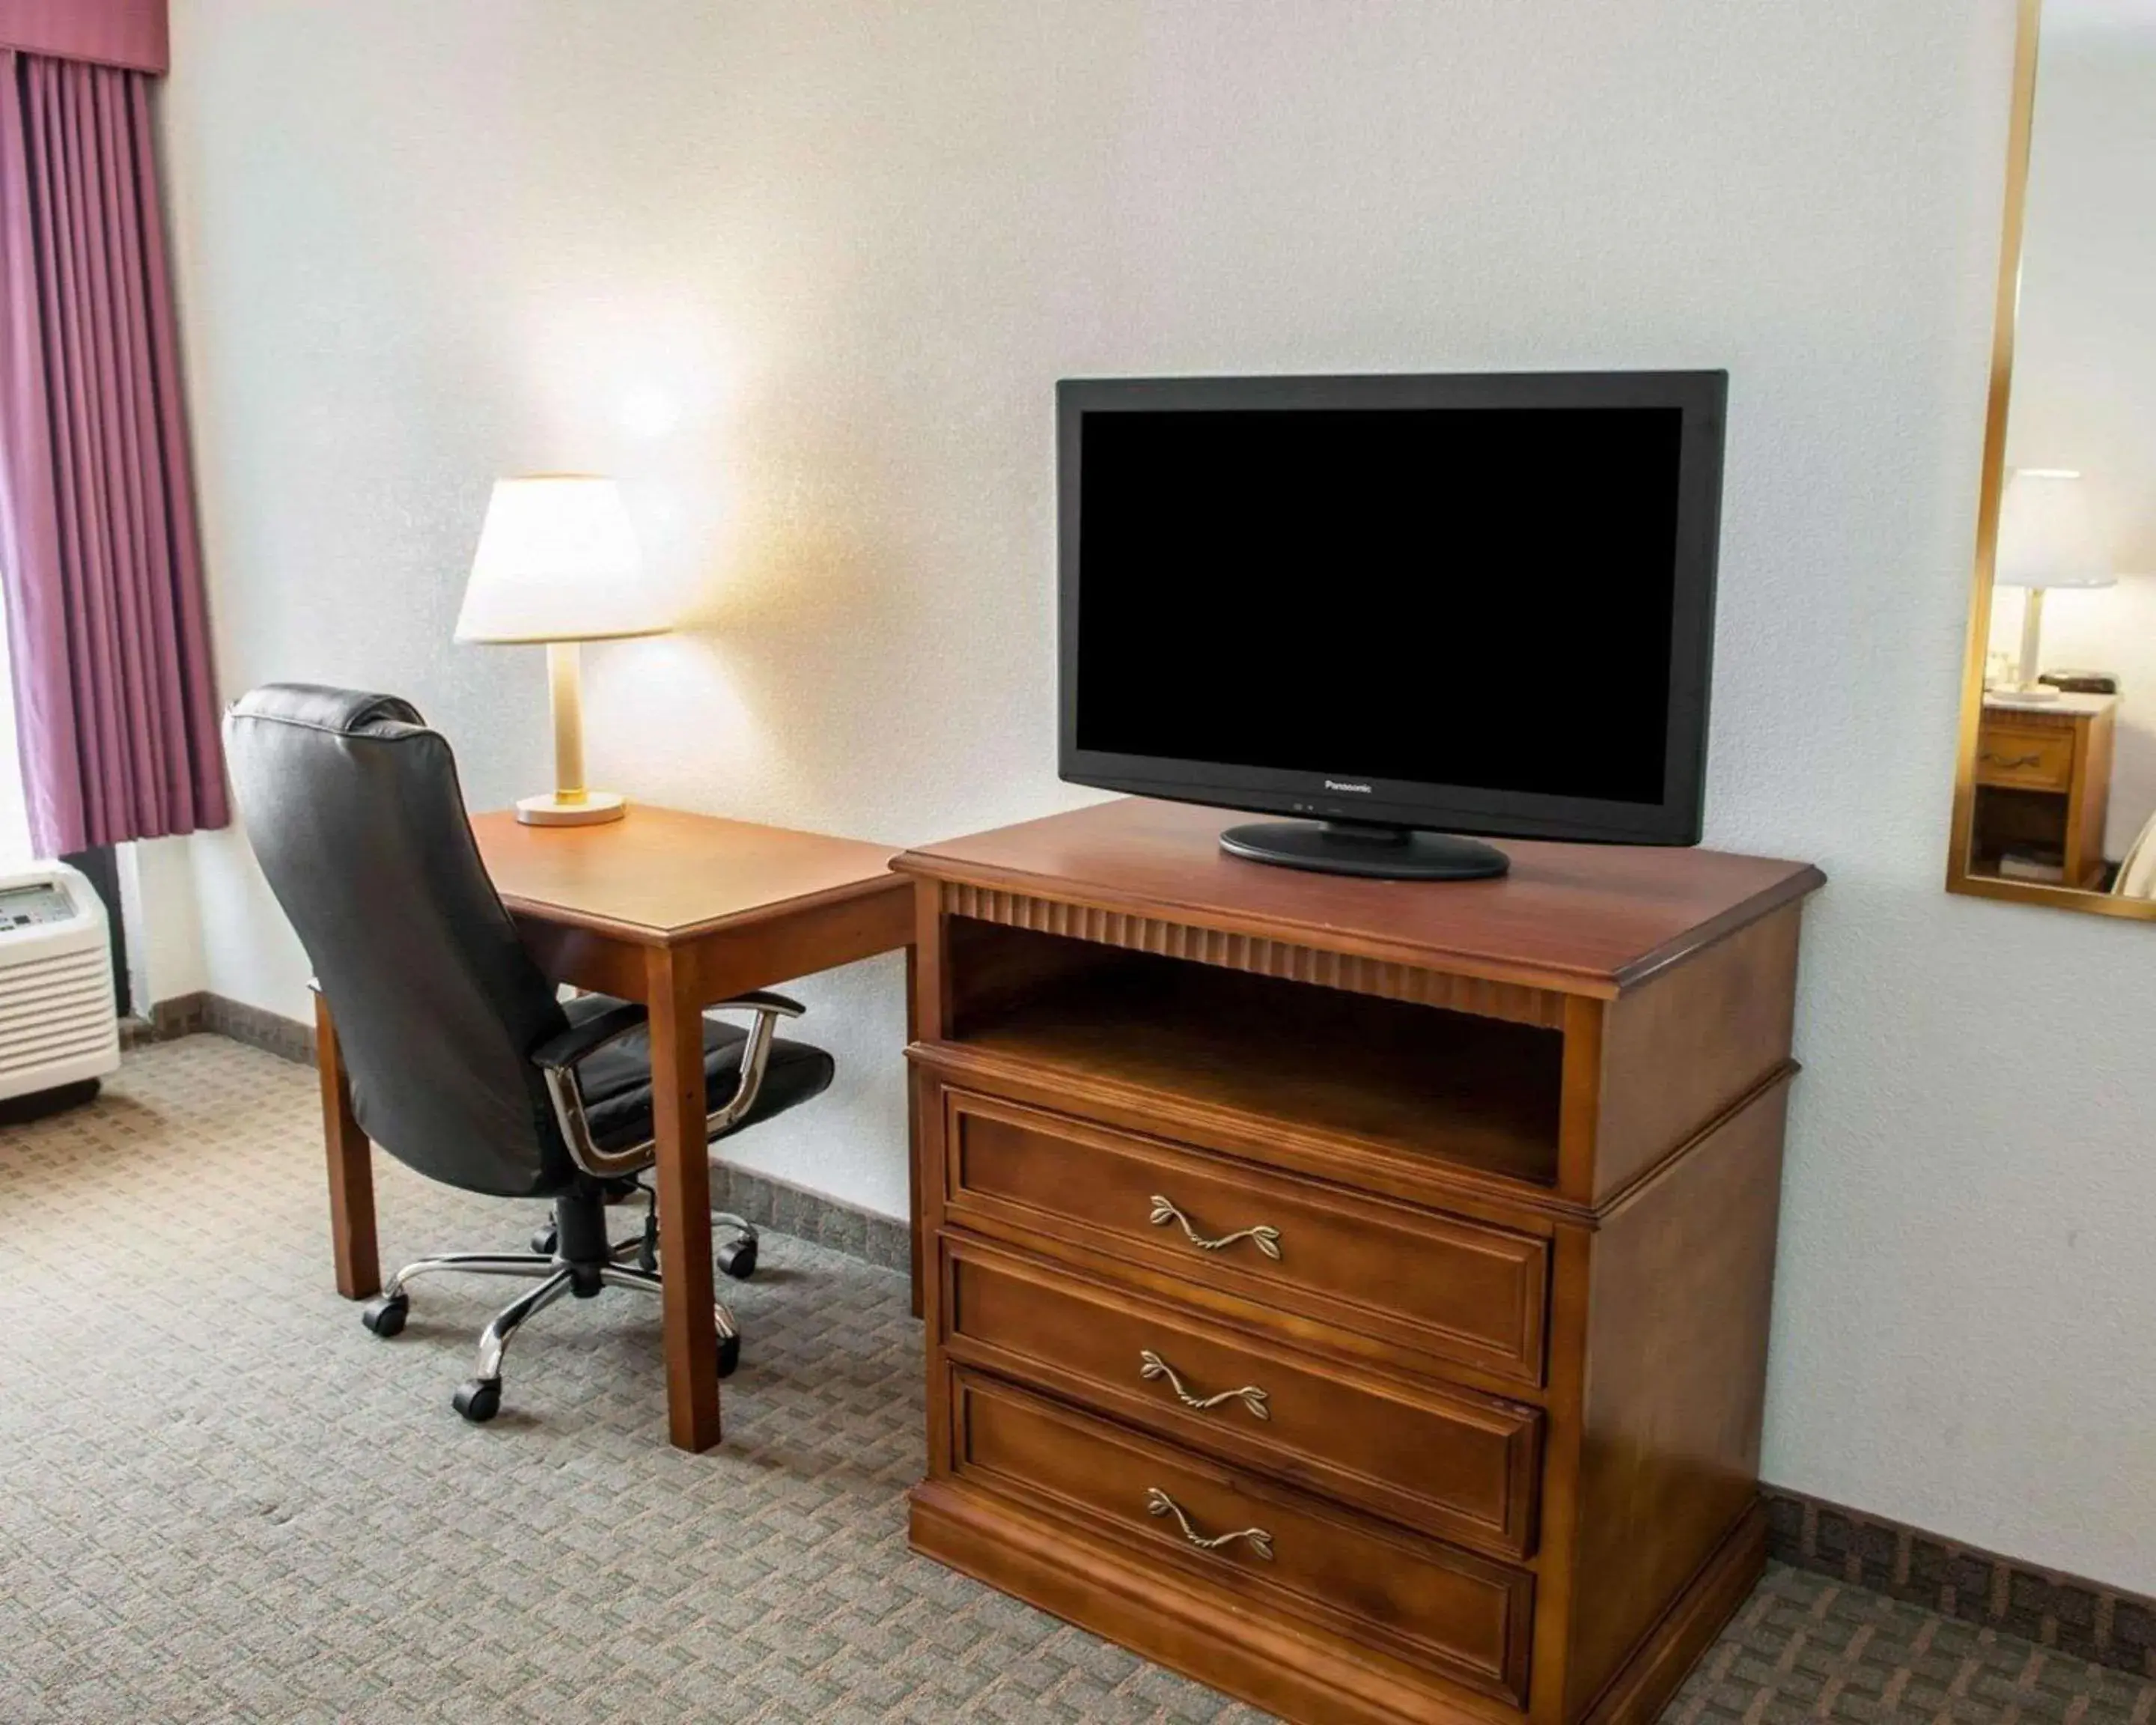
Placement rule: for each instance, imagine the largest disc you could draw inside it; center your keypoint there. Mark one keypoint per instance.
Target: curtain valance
(131, 34)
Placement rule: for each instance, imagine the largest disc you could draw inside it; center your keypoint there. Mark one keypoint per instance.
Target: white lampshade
(2047, 533)
(557, 561)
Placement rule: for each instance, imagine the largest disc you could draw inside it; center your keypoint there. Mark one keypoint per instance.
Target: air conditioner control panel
(34, 907)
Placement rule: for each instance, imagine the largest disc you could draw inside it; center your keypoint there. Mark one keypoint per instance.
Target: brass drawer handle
(2012, 760)
(1266, 1239)
(1159, 1503)
(1151, 1365)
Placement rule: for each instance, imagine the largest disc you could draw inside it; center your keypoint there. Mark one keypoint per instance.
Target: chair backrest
(353, 808)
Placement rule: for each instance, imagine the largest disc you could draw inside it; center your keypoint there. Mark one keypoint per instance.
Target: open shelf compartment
(1418, 1080)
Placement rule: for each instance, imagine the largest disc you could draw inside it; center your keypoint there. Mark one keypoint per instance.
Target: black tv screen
(1481, 605)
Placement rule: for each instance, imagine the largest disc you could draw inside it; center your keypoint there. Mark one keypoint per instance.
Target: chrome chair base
(480, 1398)
(735, 1257)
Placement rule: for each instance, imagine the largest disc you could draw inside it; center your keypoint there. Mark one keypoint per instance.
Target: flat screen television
(1397, 608)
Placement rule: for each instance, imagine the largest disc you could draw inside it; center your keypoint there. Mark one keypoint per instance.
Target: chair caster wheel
(736, 1258)
(384, 1314)
(542, 1239)
(479, 1399)
(729, 1355)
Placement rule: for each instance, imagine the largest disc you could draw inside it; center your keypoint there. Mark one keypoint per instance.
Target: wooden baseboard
(786, 1208)
(192, 1014)
(2090, 1619)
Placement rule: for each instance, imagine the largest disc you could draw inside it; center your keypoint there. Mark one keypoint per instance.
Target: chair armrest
(581, 1042)
(760, 1000)
(558, 1057)
(578, 1044)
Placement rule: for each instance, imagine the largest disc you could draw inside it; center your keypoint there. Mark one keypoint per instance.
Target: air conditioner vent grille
(55, 1009)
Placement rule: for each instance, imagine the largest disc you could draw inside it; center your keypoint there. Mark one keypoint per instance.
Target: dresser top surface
(2069, 707)
(1581, 918)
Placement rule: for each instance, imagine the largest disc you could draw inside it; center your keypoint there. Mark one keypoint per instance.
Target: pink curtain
(115, 702)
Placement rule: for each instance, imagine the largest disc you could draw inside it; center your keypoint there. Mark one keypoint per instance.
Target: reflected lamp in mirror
(2047, 538)
(558, 564)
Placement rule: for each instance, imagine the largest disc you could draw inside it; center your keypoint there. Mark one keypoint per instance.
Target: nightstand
(2043, 779)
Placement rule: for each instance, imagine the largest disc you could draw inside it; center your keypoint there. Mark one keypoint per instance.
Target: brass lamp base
(582, 808)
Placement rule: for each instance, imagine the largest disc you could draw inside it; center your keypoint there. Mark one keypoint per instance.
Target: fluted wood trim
(1284, 959)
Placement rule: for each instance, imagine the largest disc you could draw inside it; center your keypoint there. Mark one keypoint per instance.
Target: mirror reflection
(2062, 788)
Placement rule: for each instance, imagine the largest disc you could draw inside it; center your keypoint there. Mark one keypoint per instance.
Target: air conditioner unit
(59, 1025)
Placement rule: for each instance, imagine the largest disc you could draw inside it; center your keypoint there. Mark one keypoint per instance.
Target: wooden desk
(676, 911)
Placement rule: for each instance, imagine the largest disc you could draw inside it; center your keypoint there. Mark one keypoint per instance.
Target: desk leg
(351, 1170)
(685, 1203)
(913, 1218)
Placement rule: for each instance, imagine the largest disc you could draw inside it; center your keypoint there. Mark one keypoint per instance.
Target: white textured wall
(163, 922)
(806, 271)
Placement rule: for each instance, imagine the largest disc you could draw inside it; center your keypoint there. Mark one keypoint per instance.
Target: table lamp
(2047, 538)
(557, 563)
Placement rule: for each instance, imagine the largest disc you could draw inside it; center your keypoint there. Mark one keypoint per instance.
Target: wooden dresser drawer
(2035, 757)
(1457, 1464)
(1383, 1276)
(1393, 1591)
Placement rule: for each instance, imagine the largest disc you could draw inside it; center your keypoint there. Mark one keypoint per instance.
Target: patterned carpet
(220, 1499)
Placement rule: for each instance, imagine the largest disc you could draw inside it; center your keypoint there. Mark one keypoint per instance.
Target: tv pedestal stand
(1365, 848)
(1352, 1294)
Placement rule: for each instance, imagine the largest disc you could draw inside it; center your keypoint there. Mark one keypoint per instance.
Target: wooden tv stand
(1353, 1294)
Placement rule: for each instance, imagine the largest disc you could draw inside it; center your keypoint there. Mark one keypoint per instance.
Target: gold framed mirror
(2055, 790)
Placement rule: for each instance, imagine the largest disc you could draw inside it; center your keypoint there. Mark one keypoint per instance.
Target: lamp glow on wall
(558, 563)
(2047, 538)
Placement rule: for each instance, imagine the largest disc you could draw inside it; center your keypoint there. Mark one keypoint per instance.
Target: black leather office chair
(463, 1065)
